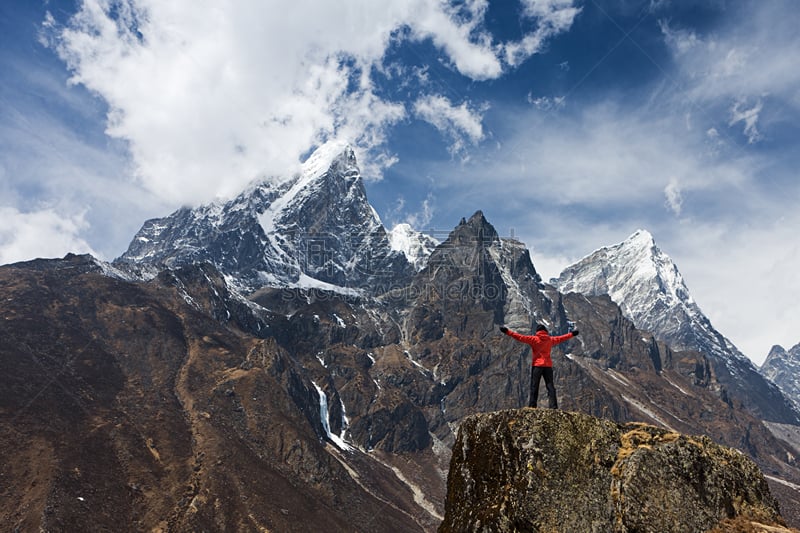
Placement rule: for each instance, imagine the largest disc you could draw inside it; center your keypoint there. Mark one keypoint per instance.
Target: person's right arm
(517, 336)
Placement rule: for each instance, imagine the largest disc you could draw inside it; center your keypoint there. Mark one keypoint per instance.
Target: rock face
(544, 470)
(338, 411)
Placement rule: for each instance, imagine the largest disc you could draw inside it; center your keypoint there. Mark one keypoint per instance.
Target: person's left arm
(558, 339)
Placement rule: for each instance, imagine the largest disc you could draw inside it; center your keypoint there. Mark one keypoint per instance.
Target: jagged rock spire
(314, 229)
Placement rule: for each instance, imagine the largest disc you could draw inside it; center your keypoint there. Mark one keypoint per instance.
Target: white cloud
(421, 219)
(43, 233)
(546, 103)
(470, 50)
(210, 96)
(608, 157)
(213, 97)
(209, 99)
(674, 199)
(575, 179)
(749, 117)
(460, 124)
(65, 163)
(680, 40)
(752, 298)
(550, 17)
(726, 74)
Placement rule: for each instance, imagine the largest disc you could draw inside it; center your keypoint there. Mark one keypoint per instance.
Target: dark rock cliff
(548, 470)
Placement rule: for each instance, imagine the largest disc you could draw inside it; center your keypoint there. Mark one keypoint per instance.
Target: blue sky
(569, 123)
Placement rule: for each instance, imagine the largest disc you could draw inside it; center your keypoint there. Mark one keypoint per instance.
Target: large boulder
(550, 470)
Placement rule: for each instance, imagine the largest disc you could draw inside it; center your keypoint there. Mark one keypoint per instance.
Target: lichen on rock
(550, 470)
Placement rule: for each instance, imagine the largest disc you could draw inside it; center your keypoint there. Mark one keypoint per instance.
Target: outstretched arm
(558, 339)
(518, 336)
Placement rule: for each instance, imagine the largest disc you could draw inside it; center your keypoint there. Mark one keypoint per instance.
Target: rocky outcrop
(395, 342)
(549, 470)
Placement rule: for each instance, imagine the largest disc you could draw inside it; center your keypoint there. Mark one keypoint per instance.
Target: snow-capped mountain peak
(647, 286)
(332, 165)
(782, 367)
(416, 246)
(313, 229)
(323, 158)
(635, 274)
(641, 237)
(650, 290)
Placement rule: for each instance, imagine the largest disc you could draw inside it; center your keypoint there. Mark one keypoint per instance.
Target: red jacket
(540, 345)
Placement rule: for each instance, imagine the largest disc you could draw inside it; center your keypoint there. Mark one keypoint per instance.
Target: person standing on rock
(542, 364)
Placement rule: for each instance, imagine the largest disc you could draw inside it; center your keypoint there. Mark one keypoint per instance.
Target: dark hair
(540, 327)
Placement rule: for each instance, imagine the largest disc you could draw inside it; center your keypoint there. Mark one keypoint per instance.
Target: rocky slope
(216, 412)
(542, 470)
(127, 407)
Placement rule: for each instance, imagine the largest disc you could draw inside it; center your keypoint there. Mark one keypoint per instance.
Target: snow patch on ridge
(321, 159)
(416, 246)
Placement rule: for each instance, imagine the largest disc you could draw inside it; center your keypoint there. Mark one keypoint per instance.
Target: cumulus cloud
(210, 97)
(458, 34)
(460, 124)
(213, 97)
(43, 233)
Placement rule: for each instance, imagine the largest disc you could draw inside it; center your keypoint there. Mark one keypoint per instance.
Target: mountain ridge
(314, 229)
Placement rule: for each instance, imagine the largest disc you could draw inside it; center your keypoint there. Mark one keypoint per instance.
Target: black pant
(537, 372)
